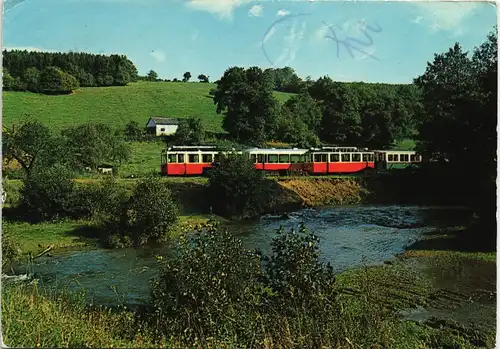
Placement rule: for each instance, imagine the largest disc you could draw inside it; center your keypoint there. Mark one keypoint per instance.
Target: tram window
(260, 158)
(395, 158)
(272, 159)
(346, 157)
(284, 158)
(194, 158)
(180, 158)
(404, 157)
(172, 158)
(253, 157)
(334, 157)
(356, 157)
(320, 158)
(418, 158)
(296, 158)
(206, 158)
(412, 158)
(371, 157)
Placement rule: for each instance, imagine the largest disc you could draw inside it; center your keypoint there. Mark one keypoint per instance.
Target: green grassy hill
(117, 105)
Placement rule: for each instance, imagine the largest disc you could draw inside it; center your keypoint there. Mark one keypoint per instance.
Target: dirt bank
(321, 191)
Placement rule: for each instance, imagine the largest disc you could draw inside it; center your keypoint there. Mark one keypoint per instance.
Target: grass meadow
(118, 105)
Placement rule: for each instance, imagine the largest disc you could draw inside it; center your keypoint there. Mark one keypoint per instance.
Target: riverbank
(444, 293)
(287, 194)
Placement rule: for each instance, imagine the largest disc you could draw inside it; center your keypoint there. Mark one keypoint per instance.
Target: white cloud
(159, 55)
(449, 16)
(256, 10)
(222, 8)
(282, 13)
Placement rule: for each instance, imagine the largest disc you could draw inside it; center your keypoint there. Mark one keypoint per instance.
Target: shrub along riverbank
(198, 199)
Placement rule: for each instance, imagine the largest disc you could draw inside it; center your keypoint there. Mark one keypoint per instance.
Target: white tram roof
(396, 151)
(192, 147)
(338, 150)
(295, 151)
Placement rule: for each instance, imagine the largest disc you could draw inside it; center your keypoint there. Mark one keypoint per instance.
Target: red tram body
(188, 160)
(332, 160)
(195, 160)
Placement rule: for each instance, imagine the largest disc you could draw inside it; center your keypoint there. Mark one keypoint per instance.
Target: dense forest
(322, 111)
(47, 72)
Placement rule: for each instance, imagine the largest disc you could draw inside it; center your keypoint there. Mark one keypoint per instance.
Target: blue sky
(389, 41)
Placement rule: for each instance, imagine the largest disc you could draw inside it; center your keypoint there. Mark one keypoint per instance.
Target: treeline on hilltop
(48, 72)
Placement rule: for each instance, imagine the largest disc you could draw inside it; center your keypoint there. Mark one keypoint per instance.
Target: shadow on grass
(89, 231)
(475, 238)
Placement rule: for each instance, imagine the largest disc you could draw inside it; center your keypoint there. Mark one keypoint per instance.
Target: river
(350, 236)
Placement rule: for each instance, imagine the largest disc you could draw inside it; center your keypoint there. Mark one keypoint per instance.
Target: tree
(132, 131)
(306, 109)
(341, 120)
(11, 83)
(246, 98)
(47, 193)
(190, 131)
(186, 76)
(54, 80)
(203, 78)
(152, 211)
(459, 99)
(32, 79)
(236, 188)
(152, 75)
(87, 69)
(293, 130)
(94, 144)
(31, 143)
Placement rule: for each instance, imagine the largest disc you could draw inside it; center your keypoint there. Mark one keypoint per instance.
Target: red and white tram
(189, 160)
(330, 160)
(278, 160)
(195, 160)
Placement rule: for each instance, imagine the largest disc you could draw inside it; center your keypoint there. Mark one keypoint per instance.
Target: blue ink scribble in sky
(360, 42)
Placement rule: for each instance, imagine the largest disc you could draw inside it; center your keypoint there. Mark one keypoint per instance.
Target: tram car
(189, 160)
(196, 160)
(338, 160)
(279, 161)
(396, 159)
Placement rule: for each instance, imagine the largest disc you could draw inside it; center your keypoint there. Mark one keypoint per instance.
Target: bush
(133, 132)
(104, 202)
(47, 193)
(190, 132)
(211, 287)
(294, 270)
(236, 189)
(208, 280)
(10, 249)
(151, 212)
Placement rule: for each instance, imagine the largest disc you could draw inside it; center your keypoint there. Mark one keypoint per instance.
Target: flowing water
(350, 236)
